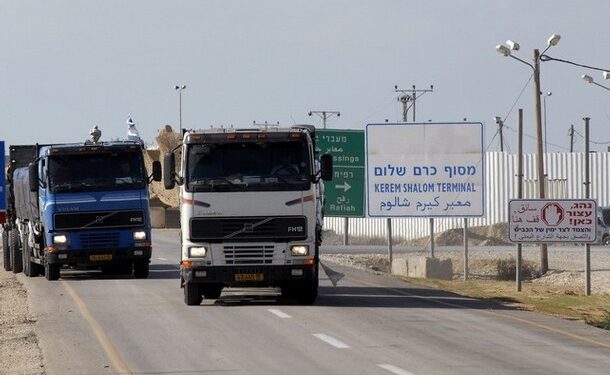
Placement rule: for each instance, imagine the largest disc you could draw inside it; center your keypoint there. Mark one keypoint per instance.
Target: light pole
(544, 105)
(506, 51)
(324, 115)
(589, 79)
(500, 124)
(180, 88)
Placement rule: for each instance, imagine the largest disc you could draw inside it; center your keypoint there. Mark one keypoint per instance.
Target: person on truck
(285, 168)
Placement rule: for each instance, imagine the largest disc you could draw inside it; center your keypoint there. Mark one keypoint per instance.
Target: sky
(66, 66)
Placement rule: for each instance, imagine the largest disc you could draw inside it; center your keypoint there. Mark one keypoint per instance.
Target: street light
(589, 79)
(180, 88)
(507, 52)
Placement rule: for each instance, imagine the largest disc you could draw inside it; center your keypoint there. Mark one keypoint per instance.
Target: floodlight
(553, 40)
(513, 45)
(503, 50)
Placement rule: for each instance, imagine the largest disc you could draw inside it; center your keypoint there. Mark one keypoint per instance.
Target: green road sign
(344, 195)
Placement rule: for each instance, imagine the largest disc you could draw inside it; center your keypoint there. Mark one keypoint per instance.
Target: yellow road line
(490, 312)
(116, 359)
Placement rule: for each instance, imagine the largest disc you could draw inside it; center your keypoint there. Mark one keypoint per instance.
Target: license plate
(249, 277)
(100, 257)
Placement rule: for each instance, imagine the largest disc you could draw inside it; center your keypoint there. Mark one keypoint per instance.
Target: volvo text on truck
(250, 210)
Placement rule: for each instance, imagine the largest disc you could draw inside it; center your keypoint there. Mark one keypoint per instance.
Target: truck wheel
(211, 291)
(16, 260)
(192, 295)
(140, 270)
(51, 271)
(25, 254)
(606, 241)
(307, 293)
(6, 251)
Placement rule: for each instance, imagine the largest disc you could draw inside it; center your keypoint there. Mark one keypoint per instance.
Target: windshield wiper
(212, 181)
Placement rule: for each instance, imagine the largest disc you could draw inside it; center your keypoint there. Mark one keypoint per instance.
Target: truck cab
(250, 210)
(82, 205)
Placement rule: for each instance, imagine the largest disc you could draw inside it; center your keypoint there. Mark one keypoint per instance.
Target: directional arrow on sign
(345, 186)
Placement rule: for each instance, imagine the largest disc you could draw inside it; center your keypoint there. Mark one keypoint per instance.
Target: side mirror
(33, 176)
(169, 169)
(326, 167)
(156, 171)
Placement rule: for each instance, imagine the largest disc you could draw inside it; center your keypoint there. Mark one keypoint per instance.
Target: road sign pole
(431, 237)
(587, 194)
(465, 248)
(519, 195)
(390, 254)
(346, 231)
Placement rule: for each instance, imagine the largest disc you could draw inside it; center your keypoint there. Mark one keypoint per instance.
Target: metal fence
(564, 180)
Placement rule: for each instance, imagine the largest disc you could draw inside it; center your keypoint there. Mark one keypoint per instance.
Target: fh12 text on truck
(250, 210)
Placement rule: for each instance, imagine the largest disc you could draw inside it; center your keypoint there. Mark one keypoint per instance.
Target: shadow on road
(157, 271)
(357, 296)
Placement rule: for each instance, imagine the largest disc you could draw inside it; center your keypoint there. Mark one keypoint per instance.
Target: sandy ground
(19, 351)
(566, 266)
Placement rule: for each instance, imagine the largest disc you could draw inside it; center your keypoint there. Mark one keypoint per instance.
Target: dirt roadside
(19, 350)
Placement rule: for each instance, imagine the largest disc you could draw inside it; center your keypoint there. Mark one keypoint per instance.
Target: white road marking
(279, 313)
(161, 259)
(395, 370)
(331, 340)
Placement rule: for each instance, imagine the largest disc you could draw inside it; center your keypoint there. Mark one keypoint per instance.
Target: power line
(594, 142)
(549, 58)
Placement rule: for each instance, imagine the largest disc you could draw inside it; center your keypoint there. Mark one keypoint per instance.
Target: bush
(604, 323)
(507, 269)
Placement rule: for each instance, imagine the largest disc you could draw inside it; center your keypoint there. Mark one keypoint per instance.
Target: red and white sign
(552, 220)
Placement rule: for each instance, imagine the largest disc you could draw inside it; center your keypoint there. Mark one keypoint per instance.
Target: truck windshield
(248, 166)
(94, 172)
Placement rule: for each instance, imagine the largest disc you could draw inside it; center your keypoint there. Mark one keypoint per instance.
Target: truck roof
(273, 133)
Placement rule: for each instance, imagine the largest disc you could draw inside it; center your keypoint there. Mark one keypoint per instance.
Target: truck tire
(6, 252)
(307, 293)
(16, 259)
(141, 270)
(25, 255)
(192, 295)
(51, 271)
(211, 291)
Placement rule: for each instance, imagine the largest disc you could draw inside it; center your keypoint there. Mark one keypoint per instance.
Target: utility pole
(405, 98)
(500, 124)
(571, 134)
(544, 257)
(410, 96)
(324, 115)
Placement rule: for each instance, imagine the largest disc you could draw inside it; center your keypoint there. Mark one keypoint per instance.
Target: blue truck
(83, 205)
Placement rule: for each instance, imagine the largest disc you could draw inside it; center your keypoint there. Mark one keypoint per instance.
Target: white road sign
(552, 220)
(425, 170)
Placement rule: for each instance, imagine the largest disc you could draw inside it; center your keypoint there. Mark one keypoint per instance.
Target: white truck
(250, 210)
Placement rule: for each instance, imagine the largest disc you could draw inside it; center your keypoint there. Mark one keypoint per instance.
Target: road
(369, 324)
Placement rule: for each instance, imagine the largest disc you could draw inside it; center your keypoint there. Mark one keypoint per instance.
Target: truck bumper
(99, 257)
(251, 276)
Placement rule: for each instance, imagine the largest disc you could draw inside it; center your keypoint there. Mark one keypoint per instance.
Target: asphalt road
(369, 324)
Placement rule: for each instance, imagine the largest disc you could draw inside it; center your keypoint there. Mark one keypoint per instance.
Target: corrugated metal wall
(565, 180)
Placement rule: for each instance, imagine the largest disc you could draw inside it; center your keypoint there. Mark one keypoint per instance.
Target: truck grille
(98, 219)
(100, 240)
(248, 254)
(259, 228)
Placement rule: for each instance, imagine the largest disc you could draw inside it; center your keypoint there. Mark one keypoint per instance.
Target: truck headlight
(197, 252)
(139, 235)
(60, 239)
(299, 250)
